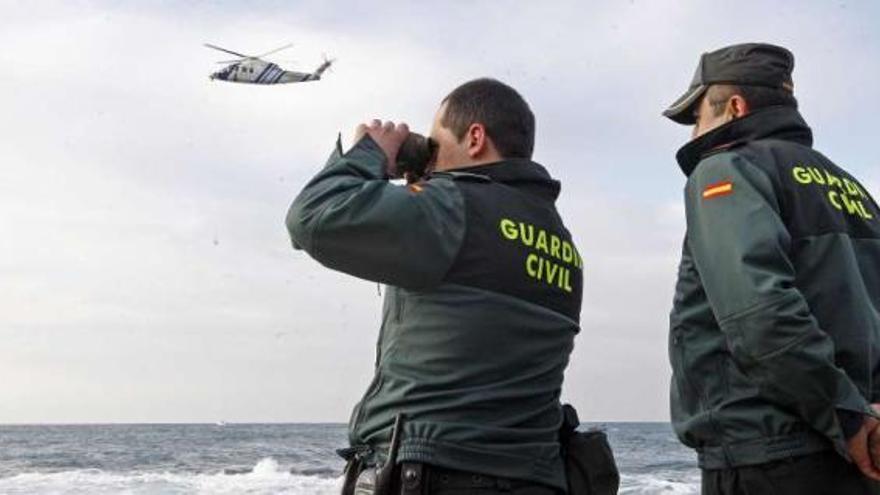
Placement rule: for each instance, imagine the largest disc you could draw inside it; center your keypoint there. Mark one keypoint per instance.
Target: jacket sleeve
(741, 248)
(350, 218)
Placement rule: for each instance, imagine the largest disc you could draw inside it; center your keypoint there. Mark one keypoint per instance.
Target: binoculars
(414, 155)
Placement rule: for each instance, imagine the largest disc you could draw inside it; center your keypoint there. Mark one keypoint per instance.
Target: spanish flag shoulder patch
(718, 189)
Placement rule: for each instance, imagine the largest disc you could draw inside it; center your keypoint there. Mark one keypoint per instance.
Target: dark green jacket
(776, 319)
(480, 314)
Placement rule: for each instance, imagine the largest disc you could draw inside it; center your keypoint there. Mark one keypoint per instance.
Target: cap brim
(682, 110)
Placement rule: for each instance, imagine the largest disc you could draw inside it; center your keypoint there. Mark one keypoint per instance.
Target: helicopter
(253, 70)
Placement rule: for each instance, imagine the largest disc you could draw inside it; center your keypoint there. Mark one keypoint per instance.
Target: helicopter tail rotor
(325, 65)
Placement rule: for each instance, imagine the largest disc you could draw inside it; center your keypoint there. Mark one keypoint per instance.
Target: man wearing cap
(775, 328)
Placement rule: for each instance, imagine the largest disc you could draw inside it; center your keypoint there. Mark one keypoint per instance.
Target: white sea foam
(659, 484)
(266, 478)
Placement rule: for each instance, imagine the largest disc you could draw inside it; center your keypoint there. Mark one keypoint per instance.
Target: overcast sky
(145, 271)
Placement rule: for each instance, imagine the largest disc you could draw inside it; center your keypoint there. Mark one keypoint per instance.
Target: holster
(361, 479)
(412, 478)
(589, 462)
(353, 469)
(408, 479)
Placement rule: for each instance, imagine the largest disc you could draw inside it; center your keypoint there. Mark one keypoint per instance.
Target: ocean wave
(660, 483)
(264, 478)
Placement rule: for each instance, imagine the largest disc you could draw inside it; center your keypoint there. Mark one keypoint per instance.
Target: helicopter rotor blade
(225, 50)
(270, 52)
(328, 61)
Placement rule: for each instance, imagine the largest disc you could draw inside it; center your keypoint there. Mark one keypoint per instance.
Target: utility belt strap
(414, 478)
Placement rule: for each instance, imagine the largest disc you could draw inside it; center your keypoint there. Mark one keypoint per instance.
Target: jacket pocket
(688, 394)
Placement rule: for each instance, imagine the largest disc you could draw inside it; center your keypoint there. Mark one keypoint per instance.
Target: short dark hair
(508, 120)
(757, 97)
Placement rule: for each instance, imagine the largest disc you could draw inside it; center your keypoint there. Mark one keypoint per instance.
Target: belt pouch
(589, 461)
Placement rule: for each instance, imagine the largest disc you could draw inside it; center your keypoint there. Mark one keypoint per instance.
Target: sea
(142, 459)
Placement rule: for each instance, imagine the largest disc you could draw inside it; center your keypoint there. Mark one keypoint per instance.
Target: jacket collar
(776, 122)
(518, 172)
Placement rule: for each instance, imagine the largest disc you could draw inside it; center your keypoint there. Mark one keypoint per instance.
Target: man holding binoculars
(482, 305)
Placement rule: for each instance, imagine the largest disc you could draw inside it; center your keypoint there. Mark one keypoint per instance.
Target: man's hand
(874, 446)
(388, 136)
(859, 450)
(874, 441)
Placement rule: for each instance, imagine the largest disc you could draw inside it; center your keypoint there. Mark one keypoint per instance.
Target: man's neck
(494, 158)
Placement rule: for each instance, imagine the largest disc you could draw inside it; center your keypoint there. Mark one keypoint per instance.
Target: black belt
(409, 478)
(420, 479)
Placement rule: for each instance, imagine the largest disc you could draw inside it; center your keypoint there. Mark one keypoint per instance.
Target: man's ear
(738, 106)
(476, 140)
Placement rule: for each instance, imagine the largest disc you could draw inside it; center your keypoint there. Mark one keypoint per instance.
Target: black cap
(748, 64)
